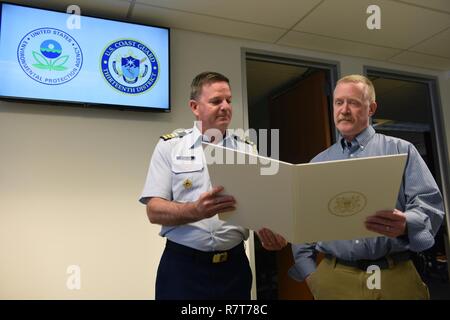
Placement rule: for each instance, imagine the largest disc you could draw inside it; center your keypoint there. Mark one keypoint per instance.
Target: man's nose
(345, 108)
(225, 105)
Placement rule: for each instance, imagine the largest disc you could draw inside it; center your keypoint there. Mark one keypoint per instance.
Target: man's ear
(372, 108)
(194, 107)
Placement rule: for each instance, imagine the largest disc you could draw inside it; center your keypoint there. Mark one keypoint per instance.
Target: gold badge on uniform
(187, 184)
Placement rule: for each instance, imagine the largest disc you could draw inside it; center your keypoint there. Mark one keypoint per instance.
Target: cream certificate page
(306, 202)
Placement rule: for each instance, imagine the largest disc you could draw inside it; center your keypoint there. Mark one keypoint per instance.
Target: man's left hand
(391, 223)
(270, 240)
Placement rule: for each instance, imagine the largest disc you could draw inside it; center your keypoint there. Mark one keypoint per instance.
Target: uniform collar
(361, 139)
(198, 138)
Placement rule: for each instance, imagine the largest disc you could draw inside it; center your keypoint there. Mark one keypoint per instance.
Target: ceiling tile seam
(434, 35)
(429, 54)
(418, 43)
(334, 52)
(211, 16)
(133, 2)
(395, 55)
(130, 9)
(239, 37)
(367, 58)
(348, 40)
(300, 20)
(422, 7)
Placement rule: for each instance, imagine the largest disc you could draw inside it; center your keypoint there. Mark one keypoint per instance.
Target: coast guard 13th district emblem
(129, 66)
(347, 203)
(49, 56)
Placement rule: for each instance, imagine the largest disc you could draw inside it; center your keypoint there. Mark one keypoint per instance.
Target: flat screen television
(103, 63)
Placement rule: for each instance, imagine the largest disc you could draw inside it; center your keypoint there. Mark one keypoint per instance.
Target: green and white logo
(50, 56)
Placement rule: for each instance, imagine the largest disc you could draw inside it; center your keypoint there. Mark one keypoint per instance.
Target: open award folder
(306, 202)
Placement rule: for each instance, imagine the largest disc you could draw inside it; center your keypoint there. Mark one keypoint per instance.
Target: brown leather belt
(382, 263)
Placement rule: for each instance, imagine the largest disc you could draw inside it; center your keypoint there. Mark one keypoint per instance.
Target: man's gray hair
(356, 78)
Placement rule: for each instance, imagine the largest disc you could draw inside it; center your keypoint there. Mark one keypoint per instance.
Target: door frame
(432, 84)
(334, 70)
(332, 66)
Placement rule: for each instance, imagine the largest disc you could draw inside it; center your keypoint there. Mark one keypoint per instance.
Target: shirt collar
(361, 139)
(198, 138)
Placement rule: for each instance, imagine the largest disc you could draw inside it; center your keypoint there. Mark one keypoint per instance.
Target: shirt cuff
(300, 270)
(419, 232)
(144, 198)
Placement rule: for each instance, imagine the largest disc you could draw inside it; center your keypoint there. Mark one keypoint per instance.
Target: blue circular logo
(51, 49)
(50, 56)
(129, 66)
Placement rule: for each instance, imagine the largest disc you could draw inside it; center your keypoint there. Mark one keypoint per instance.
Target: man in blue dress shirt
(204, 257)
(351, 267)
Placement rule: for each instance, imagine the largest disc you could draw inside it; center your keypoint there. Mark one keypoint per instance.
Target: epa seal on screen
(49, 56)
(129, 66)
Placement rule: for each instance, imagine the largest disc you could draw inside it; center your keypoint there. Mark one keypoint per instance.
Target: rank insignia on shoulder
(168, 136)
(179, 133)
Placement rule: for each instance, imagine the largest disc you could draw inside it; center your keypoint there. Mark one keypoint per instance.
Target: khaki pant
(332, 281)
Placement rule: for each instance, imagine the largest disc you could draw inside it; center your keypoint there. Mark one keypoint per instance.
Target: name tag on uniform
(185, 157)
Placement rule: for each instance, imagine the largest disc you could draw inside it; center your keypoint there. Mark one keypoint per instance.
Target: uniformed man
(204, 257)
(411, 226)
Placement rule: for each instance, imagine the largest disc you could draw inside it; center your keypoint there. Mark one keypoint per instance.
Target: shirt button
(352, 155)
(362, 147)
(356, 241)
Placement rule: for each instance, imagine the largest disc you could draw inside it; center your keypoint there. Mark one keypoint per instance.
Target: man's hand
(210, 203)
(391, 223)
(271, 240)
(308, 281)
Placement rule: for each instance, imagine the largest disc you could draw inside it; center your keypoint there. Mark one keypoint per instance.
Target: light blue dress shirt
(176, 161)
(419, 198)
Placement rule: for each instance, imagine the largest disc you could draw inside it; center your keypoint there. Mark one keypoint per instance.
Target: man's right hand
(210, 203)
(308, 280)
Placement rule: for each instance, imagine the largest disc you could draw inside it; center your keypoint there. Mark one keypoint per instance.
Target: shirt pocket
(188, 181)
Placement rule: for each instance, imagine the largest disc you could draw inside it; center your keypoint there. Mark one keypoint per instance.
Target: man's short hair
(356, 78)
(203, 78)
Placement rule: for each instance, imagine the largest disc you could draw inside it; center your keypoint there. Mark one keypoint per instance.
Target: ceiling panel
(422, 60)
(327, 44)
(334, 26)
(443, 5)
(281, 13)
(188, 21)
(117, 9)
(402, 25)
(439, 45)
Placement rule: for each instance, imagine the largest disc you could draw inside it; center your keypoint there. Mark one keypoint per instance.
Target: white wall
(70, 179)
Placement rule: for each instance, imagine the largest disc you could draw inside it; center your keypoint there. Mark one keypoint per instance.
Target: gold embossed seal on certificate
(347, 203)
